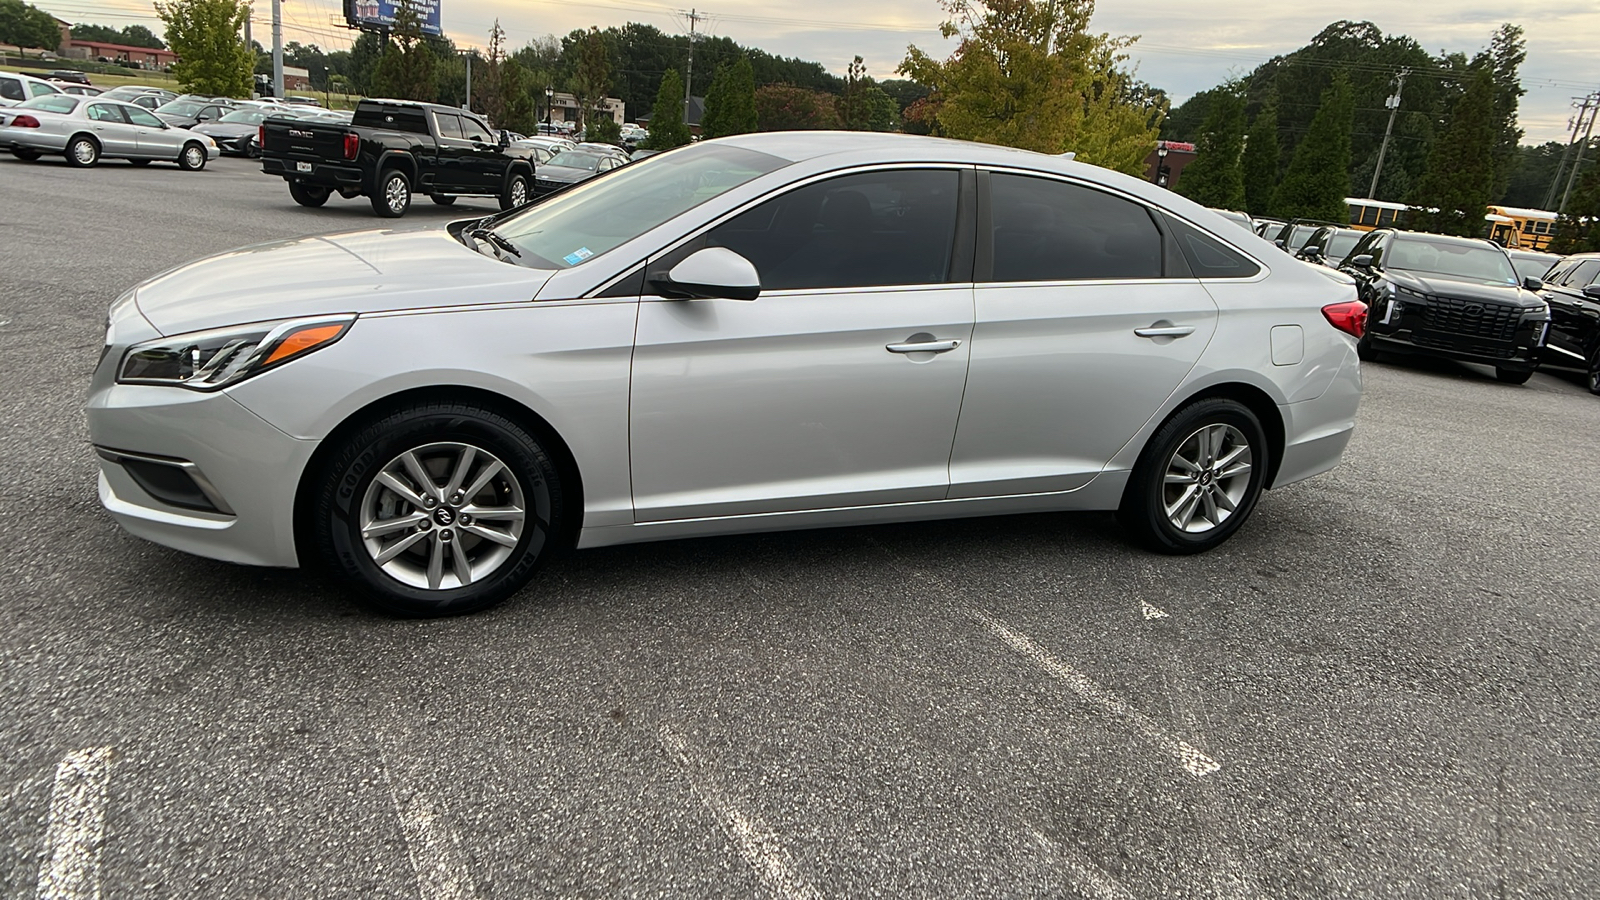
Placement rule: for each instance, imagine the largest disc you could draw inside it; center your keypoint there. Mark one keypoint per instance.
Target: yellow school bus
(1365, 215)
(1526, 229)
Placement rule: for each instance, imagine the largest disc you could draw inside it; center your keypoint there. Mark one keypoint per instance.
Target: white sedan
(88, 129)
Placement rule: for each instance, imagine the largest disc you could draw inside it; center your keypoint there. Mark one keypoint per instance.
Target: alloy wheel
(519, 192)
(1206, 478)
(394, 193)
(442, 516)
(84, 153)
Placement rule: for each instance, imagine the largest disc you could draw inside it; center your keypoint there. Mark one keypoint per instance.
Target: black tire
(1512, 376)
(516, 192)
(442, 200)
(192, 158)
(139, 162)
(1144, 502)
(25, 154)
(83, 151)
(1365, 351)
(311, 195)
(347, 486)
(393, 196)
(1593, 375)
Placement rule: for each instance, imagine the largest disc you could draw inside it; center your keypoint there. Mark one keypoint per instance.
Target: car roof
(1444, 238)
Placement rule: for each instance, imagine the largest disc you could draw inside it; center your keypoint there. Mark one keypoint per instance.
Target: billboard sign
(378, 15)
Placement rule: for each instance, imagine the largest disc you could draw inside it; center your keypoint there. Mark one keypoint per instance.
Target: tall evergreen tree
(716, 100)
(666, 117)
(1216, 177)
(1318, 178)
(1455, 189)
(406, 69)
(739, 112)
(1260, 161)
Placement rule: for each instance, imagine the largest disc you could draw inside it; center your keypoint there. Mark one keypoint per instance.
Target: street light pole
(1161, 160)
(549, 101)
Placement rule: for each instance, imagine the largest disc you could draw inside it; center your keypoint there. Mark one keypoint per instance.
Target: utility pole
(1561, 167)
(277, 49)
(1394, 106)
(468, 105)
(1591, 105)
(688, 80)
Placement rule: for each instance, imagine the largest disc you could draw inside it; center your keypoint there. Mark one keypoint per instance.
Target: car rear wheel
(83, 151)
(1198, 478)
(394, 194)
(308, 194)
(192, 158)
(438, 509)
(1512, 376)
(23, 153)
(516, 192)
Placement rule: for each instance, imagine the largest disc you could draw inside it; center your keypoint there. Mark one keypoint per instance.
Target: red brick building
(145, 57)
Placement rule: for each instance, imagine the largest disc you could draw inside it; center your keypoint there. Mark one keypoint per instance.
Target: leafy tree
(1260, 161)
(1578, 229)
(731, 102)
(603, 128)
(1454, 192)
(784, 107)
(865, 106)
(666, 119)
(1318, 178)
(407, 69)
(131, 36)
(903, 92)
(28, 26)
(1027, 73)
(212, 57)
(590, 81)
(1216, 177)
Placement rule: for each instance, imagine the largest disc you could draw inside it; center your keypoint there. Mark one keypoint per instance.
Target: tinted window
(395, 118)
(1584, 274)
(141, 117)
(1339, 243)
(11, 89)
(1053, 231)
(1209, 257)
(104, 112)
(449, 125)
(869, 230)
(1474, 261)
(474, 130)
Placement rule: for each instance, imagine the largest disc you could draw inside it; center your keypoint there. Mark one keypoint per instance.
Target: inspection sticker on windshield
(578, 256)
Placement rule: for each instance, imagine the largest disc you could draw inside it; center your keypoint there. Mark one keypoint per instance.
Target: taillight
(25, 122)
(352, 145)
(261, 134)
(1349, 317)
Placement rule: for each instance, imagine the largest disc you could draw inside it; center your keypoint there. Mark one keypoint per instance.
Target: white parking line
(76, 831)
(1193, 761)
(435, 851)
(761, 848)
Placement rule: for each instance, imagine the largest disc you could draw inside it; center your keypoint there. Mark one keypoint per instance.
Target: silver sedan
(766, 332)
(88, 129)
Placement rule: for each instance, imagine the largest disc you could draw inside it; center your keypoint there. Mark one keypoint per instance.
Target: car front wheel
(394, 194)
(1198, 479)
(193, 158)
(438, 509)
(1594, 372)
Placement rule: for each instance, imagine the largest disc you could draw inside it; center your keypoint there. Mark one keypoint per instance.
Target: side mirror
(505, 138)
(1592, 292)
(1533, 284)
(712, 273)
(1282, 244)
(1311, 251)
(1364, 261)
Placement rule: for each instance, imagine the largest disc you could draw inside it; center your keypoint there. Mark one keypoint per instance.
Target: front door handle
(923, 347)
(1174, 331)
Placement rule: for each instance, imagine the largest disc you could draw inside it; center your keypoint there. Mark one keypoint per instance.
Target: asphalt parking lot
(1386, 685)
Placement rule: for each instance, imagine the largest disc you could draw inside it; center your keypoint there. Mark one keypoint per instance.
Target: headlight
(1409, 294)
(211, 360)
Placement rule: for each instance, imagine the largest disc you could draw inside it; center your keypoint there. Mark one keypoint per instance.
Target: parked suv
(1453, 297)
(1573, 292)
(1329, 245)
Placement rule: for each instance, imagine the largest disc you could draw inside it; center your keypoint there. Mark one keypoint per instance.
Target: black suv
(1572, 288)
(1453, 297)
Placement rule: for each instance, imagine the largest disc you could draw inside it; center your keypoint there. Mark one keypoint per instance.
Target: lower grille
(1449, 315)
(1492, 351)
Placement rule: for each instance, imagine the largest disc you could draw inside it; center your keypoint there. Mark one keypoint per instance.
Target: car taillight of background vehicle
(261, 134)
(1350, 317)
(24, 122)
(352, 145)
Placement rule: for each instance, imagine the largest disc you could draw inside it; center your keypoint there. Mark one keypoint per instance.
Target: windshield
(249, 116)
(1341, 243)
(1474, 262)
(1528, 266)
(180, 108)
(602, 213)
(576, 160)
(57, 103)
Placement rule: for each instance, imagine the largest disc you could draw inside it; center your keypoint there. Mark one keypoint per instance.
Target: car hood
(224, 129)
(1465, 289)
(361, 272)
(171, 119)
(563, 173)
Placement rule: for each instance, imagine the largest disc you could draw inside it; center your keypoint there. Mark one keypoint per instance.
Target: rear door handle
(1165, 331)
(923, 347)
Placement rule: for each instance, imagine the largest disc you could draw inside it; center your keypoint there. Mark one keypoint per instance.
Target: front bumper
(247, 469)
(1505, 337)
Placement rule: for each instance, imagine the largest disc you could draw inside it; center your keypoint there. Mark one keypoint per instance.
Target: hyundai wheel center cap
(444, 515)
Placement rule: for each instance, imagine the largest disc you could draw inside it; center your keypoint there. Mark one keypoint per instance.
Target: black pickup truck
(392, 148)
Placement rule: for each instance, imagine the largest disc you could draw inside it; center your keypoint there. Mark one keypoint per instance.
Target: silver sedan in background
(88, 129)
(757, 333)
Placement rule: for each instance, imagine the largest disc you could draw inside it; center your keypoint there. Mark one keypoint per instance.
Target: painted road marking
(1193, 761)
(1152, 611)
(435, 851)
(76, 831)
(759, 845)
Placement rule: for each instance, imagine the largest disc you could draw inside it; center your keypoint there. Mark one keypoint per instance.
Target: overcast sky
(1184, 47)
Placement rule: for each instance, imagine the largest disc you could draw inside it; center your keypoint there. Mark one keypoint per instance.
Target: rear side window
(1209, 257)
(393, 118)
(874, 229)
(1045, 230)
(11, 89)
(39, 90)
(140, 117)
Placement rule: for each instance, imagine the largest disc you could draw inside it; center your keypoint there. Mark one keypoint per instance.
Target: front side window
(141, 117)
(474, 130)
(449, 125)
(11, 89)
(1047, 230)
(872, 229)
(1584, 274)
